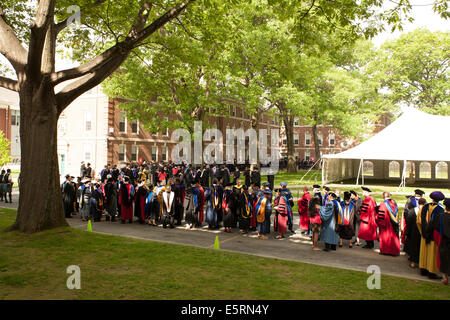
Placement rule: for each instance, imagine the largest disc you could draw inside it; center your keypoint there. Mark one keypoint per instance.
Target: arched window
(368, 168)
(394, 169)
(425, 170)
(441, 170)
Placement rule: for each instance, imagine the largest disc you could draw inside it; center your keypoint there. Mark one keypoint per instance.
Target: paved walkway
(294, 247)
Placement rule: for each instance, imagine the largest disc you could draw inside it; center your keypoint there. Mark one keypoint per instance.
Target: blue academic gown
(288, 195)
(264, 228)
(328, 233)
(211, 213)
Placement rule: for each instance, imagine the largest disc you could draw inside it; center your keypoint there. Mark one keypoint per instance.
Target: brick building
(128, 141)
(330, 142)
(93, 129)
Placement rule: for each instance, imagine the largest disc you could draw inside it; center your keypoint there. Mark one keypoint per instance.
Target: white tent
(8, 97)
(415, 137)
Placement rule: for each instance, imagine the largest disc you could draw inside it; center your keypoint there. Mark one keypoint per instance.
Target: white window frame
(296, 121)
(137, 127)
(284, 141)
(298, 139)
(307, 134)
(137, 152)
(125, 117)
(124, 153)
(87, 146)
(334, 139)
(320, 138)
(156, 156)
(164, 154)
(307, 155)
(87, 117)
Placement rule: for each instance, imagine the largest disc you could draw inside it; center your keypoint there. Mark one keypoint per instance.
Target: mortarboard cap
(419, 192)
(266, 184)
(347, 195)
(326, 188)
(353, 192)
(366, 189)
(447, 202)
(316, 186)
(437, 196)
(267, 191)
(67, 176)
(283, 184)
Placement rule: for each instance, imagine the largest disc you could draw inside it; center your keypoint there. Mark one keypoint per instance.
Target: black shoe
(326, 249)
(424, 272)
(107, 218)
(122, 221)
(366, 247)
(434, 276)
(130, 221)
(113, 219)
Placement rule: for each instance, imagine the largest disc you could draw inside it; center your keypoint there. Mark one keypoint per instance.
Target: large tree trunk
(289, 127)
(316, 145)
(40, 203)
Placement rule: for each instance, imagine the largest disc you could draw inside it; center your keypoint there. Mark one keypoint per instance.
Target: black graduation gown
(69, 196)
(228, 218)
(347, 232)
(236, 175)
(441, 223)
(96, 204)
(256, 178)
(190, 209)
(235, 205)
(413, 236)
(139, 204)
(205, 178)
(178, 202)
(245, 211)
(247, 178)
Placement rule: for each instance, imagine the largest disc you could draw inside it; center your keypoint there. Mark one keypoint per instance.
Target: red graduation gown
(389, 241)
(303, 210)
(282, 215)
(368, 227)
(126, 205)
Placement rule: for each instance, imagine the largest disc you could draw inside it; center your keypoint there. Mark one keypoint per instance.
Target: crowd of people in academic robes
(169, 194)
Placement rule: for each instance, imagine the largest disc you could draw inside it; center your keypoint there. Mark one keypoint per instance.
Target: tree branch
(91, 79)
(9, 84)
(157, 24)
(39, 29)
(141, 18)
(65, 23)
(10, 46)
(94, 72)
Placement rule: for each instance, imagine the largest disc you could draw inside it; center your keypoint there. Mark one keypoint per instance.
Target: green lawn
(112, 267)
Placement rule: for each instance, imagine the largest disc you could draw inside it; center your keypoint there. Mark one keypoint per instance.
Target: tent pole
(362, 171)
(359, 171)
(323, 171)
(404, 174)
(312, 168)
